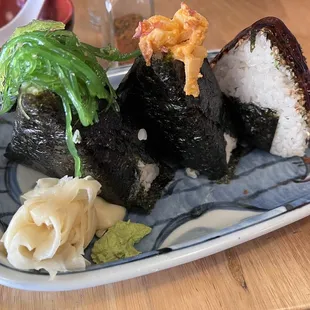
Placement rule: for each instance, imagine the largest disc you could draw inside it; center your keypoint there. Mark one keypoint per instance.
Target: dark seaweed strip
(252, 40)
(251, 120)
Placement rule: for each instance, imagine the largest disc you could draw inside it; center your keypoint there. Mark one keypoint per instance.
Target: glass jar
(117, 20)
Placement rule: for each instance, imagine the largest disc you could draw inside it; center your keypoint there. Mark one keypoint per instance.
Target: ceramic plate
(193, 219)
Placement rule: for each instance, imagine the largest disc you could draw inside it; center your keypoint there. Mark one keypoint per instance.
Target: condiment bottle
(118, 19)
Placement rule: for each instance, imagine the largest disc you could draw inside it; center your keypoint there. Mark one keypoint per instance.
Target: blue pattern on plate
(262, 181)
(264, 186)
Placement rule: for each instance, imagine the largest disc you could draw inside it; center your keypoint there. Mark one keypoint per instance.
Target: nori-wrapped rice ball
(109, 150)
(181, 110)
(68, 120)
(266, 82)
(182, 130)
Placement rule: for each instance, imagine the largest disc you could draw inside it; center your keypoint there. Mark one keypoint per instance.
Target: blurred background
(226, 17)
(102, 22)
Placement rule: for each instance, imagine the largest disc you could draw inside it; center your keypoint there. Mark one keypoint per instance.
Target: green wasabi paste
(118, 242)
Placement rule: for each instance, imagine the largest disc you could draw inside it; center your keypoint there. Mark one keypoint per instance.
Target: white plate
(203, 217)
(20, 280)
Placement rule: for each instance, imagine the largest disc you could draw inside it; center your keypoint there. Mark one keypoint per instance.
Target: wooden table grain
(271, 272)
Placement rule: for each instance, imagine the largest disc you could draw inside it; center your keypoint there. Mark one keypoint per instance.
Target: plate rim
(69, 282)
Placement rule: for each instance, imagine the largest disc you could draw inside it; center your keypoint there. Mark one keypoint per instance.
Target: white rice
(76, 138)
(142, 134)
(262, 78)
(148, 173)
(231, 144)
(191, 173)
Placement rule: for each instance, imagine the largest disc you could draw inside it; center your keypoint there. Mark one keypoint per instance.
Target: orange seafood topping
(182, 36)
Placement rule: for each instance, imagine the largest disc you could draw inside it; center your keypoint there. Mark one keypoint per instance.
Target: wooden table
(271, 272)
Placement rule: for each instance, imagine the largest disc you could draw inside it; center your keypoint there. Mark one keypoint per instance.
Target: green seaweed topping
(44, 56)
(252, 40)
(38, 25)
(277, 64)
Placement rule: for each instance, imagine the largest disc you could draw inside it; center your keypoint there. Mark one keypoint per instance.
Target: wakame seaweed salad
(43, 56)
